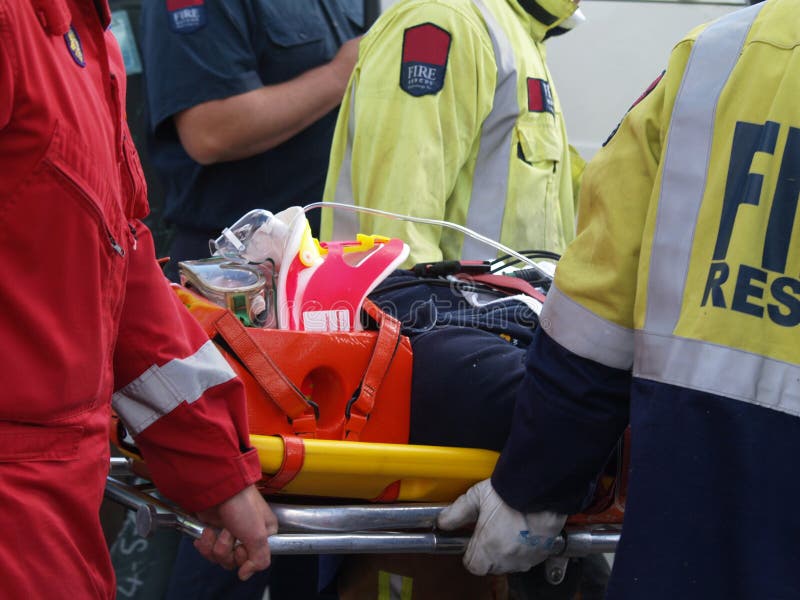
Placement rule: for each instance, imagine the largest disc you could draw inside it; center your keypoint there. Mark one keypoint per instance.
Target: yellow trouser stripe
(394, 587)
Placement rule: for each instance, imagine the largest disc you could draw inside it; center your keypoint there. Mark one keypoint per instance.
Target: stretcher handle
(152, 514)
(295, 518)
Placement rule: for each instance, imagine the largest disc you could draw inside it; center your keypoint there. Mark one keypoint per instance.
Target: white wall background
(604, 65)
(601, 67)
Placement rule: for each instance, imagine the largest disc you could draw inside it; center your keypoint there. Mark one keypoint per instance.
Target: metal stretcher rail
(350, 529)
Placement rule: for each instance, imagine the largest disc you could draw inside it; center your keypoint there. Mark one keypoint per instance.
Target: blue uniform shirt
(196, 51)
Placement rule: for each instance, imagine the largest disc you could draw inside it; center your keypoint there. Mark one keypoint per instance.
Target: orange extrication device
(329, 416)
(352, 386)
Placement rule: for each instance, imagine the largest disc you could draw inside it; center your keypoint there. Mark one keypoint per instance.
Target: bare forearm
(241, 126)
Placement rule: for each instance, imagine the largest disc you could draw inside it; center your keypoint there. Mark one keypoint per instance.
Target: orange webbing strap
(277, 386)
(294, 453)
(358, 411)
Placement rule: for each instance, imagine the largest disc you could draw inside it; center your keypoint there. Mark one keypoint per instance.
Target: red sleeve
(176, 393)
(6, 72)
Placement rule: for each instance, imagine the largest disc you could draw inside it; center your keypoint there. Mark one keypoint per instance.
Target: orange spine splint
(303, 391)
(342, 385)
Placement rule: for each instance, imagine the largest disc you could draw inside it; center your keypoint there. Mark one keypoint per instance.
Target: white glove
(504, 540)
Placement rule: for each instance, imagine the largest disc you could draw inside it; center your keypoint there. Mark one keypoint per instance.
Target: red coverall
(86, 313)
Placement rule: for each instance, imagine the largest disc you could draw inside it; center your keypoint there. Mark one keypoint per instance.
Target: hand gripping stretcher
(391, 492)
(430, 476)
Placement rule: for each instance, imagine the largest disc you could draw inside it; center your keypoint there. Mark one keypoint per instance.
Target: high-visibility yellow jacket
(676, 310)
(685, 231)
(451, 114)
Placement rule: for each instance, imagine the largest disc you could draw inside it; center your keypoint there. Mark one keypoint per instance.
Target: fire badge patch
(74, 46)
(425, 51)
(186, 16)
(540, 98)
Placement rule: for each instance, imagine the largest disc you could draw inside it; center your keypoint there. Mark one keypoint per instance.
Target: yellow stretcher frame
(363, 470)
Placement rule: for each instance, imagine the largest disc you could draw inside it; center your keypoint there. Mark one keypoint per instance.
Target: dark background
(137, 122)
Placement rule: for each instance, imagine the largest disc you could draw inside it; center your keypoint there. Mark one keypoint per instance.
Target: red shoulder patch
(426, 49)
(186, 16)
(540, 98)
(649, 89)
(644, 95)
(173, 5)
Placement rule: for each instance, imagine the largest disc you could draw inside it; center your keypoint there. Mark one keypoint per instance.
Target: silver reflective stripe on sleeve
(490, 181)
(683, 183)
(660, 355)
(584, 333)
(160, 389)
(345, 222)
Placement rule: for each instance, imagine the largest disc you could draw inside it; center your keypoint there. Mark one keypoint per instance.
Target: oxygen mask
(258, 236)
